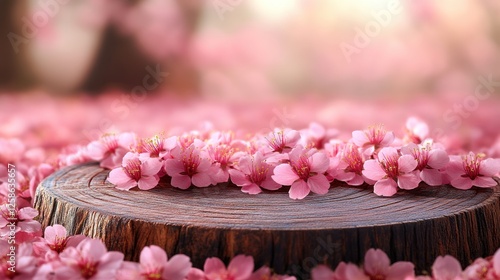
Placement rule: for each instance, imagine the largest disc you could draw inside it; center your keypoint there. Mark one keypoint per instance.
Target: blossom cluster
(307, 160)
(57, 255)
(378, 266)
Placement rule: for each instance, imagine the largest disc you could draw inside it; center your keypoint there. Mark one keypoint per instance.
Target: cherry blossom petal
(407, 163)
(446, 268)
(401, 270)
(387, 152)
(205, 165)
(29, 226)
(438, 158)
(238, 178)
(299, 190)
(241, 267)
(284, 175)
(271, 185)
(153, 256)
(431, 177)
(318, 184)
(322, 272)
(173, 167)
(53, 232)
(356, 181)
(118, 177)
(251, 189)
(127, 139)
(369, 150)
(409, 181)
(213, 265)
(127, 185)
(151, 167)
(201, 180)
(463, 183)
(96, 150)
(388, 139)
(177, 268)
(196, 274)
(496, 262)
(372, 170)
(385, 187)
(148, 182)
(409, 148)
(27, 213)
(359, 138)
(345, 176)
(352, 272)
(484, 182)
(92, 249)
(109, 262)
(376, 262)
(455, 168)
(490, 167)
(181, 181)
(319, 162)
(417, 127)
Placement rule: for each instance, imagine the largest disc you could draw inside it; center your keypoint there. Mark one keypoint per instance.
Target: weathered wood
(290, 236)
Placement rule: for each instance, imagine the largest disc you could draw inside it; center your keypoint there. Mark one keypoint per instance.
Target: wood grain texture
(289, 235)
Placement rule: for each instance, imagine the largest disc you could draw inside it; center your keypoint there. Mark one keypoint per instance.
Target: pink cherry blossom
(154, 264)
(391, 171)
(342, 272)
(73, 155)
(23, 185)
(378, 266)
(188, 167)
(221, 138)
(196, 274)
(372, 139)
(282, 141)
(351, 166)
(253, 173)
(136, 171)
(496, 263)
(430, 161)
(223, 156)
(185, 141)
(304, 173)
(416, 130)
(265, 273)
(154, 147)
(20, 221)
(55, 240)
(323, 272)
(316, 135)
(446, 268)
(473, 170)
(25, 263)
(11, 150)
(111, 148)
(240, 268)
(334, 147)
(479, 269)
(89, 260)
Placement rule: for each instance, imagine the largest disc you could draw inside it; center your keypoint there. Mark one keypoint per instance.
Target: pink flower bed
(306, 161)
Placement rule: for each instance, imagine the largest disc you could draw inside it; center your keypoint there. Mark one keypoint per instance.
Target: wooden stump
(290, 236)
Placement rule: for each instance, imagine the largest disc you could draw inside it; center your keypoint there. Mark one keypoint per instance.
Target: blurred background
(386, 58)
(237, 48)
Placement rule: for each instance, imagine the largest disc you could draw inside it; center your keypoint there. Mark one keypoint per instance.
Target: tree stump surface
(289, 235)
